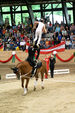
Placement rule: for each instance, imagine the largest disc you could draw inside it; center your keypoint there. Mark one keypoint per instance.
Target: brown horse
(23, 70)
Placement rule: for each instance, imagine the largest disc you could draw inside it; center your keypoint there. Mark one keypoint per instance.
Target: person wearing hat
(39, 30)
(52, 65)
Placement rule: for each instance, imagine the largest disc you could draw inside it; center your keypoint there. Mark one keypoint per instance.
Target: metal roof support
(11, 15)
(74, 12)
(21, 14)
(52, 14)
(30, 12)
(65, 12)
(1, 20)
(41, 7)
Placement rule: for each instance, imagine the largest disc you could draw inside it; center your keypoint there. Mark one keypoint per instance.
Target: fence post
(54, 53)
(13, 58)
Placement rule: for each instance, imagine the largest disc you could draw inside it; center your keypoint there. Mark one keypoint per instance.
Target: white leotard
(40, 26)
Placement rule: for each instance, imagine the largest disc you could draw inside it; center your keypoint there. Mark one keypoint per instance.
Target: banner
(59, 48)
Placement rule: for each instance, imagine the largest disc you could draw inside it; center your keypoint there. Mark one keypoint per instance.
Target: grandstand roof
(22, 2)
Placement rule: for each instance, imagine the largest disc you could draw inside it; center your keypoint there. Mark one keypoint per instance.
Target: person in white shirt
(39, 30)
(22, 44)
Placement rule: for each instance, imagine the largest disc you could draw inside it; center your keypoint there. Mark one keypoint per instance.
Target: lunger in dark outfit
(52, 65)
(31, 57)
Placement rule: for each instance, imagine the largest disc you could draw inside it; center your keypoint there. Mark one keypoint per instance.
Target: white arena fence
(10, 76)
(61, 71)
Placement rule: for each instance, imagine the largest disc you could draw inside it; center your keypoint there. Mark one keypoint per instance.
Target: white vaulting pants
(38, 35)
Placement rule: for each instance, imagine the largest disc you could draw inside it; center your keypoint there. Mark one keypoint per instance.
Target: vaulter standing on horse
(34, 47)
(40, 29)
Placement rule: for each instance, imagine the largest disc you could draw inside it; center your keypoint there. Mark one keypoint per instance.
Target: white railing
(61, 71)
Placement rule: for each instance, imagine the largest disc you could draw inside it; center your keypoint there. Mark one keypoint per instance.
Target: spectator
(7, 34)
(73, 43)
(61, 28)
(68, 44)
(63, 39)
(47, 44)
(64, 32)
(52, 65)
(3, 31)
(18, 43)
(57, 30)
(59, 37)
(71, 36)
(10, 34)
(18, 33)
(50, 27)
(72, 28)
(42, 43)
(67, 29)
(12, 47)
(22, 44)
(54, 38)
(0, 31)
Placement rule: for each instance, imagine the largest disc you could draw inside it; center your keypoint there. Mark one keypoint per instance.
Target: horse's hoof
(42, 87)
(34, 89)
(24, 94)
(25, 91)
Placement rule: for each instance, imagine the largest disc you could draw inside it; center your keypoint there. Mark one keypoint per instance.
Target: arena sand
(57, 97)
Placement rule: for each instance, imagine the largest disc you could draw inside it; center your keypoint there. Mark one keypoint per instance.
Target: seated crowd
(15, 37)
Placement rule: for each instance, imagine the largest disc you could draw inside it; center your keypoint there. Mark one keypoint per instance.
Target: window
(58, 16)
(7, 17)
(69, 4)
(37, 14)
(48, 16)
(35, 7)
(5, 9)
(48, 6)
(16, 8)
(25, 18)
(17, 18)
(70, 13)
(57, 5)
(24, 8)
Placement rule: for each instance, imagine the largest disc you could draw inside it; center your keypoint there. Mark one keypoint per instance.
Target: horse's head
(16, 71)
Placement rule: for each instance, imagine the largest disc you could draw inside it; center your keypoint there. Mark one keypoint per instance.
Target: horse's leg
(42, 84)
(26, 86)
(35, 83)
(22, 82)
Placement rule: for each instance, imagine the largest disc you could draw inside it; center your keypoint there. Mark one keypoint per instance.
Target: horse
(23, 70)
